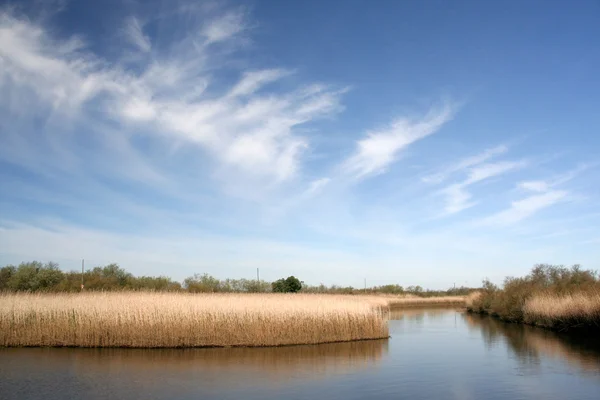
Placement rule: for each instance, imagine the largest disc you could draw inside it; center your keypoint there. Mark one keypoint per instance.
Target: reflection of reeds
(209, 367)
(568, 311)
(329, 356)
(419, 313)
(530, 343)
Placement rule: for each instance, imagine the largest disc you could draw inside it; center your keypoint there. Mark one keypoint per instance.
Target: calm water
(433, 354)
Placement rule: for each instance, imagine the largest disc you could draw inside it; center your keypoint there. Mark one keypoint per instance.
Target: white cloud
(457, 198)
(248, 133)
(546, 195)
(58, 72)
(546, 185)
(534, 186)
(486, 171)
(525, 208)
(134, 33)
(375, 153)
(225, 27)
(254, 80)
(457, 195)
(439, 177)
(317, 185)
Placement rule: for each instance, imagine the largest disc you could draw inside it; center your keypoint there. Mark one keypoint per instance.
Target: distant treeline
(37, 276)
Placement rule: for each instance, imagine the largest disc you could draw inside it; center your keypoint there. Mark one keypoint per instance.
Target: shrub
(557, 283)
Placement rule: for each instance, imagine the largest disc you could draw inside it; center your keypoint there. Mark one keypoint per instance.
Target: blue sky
(424, 143)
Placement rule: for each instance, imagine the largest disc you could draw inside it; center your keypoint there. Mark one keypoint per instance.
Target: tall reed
(149, 320)
(563, 312)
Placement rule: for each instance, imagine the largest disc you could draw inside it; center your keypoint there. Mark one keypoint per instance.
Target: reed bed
(153, 320)
(471, 298)
(414, 301)
(559, 312)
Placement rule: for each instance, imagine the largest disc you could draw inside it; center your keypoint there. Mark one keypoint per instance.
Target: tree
(289, 285)
(35, 276)
(5, 274)
(202, 283)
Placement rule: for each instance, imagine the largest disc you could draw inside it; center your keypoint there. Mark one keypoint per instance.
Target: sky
(424, 143)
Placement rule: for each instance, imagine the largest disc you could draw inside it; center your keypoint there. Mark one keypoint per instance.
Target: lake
(432, 354)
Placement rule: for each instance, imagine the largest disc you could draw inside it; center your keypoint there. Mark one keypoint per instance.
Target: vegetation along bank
(554, 297)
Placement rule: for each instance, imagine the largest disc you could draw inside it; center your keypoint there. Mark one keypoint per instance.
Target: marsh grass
(563, 312)
(154, 320)
(397, 302)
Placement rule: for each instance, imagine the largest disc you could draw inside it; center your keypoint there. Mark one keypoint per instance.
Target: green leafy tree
(202, 283)
(5, 274)
(289, 285)
(34, 276)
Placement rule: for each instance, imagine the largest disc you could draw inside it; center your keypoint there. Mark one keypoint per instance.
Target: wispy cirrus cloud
(534, 186)
(525, 208)
(375, 153)
(546, 195)
(463, 164)
(178, 139)
(547, 184)
(225, 26)
(246, 129)
(457, 195)
(133, 30)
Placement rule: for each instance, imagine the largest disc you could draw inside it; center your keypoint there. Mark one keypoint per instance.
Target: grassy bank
(552, 297)
(153, 320)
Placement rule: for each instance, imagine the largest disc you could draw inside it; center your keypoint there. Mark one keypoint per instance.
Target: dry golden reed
(152, 320)
(581, 309)
(471, 298)
(414, 301)
(149, 320)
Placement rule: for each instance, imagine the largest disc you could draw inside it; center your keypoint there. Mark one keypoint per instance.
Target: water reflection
(432, 354)
(419, 315)
(530, 345)
(219, 367)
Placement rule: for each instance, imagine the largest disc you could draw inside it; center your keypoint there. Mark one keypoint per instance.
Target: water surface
(432, 354)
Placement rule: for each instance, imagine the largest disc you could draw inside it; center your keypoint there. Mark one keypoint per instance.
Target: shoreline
(196, 347)
(579, 329)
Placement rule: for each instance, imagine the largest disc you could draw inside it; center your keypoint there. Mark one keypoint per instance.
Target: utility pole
(258, 288)
(365, 285)
(82, 266)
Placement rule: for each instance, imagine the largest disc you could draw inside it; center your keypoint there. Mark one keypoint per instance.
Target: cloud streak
(375, 153)
(458, 197)
(546, 195)
(441, 176)
(135, 35)
(521, 209)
